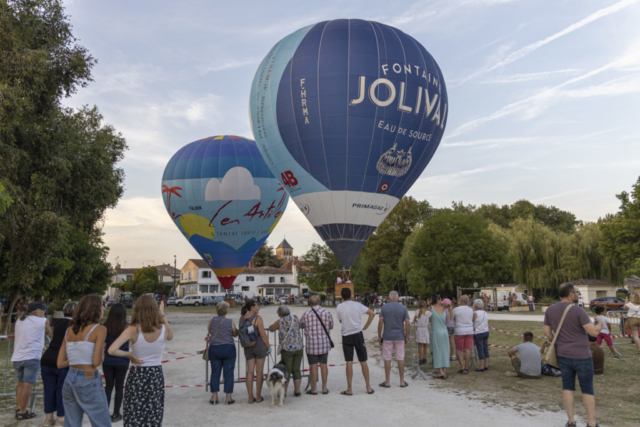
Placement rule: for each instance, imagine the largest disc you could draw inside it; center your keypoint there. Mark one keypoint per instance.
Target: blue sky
(544, 98)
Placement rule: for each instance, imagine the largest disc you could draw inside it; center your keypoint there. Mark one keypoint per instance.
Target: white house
(198, 279)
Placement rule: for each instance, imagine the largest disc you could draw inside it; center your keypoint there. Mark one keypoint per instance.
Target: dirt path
(416, 404)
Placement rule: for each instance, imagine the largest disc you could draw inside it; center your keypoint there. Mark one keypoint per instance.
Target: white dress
(422, 328)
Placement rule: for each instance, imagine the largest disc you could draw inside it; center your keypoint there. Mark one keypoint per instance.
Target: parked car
(171, 301)
(610, 303)
(195, 300)
(216, 300)
(111, 302)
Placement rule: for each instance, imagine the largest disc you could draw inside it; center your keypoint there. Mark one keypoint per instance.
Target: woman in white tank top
(144, 389)
(82, 351)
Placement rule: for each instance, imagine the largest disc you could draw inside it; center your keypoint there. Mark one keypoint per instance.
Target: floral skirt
(144, 397)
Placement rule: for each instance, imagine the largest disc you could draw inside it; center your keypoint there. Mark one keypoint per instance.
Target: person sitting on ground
(292, 349)
(350, 316)
(463, 320)
(597, 354)
(314, 322)
(393, 331)
(529, 364)
(605, 333)
(421, 319)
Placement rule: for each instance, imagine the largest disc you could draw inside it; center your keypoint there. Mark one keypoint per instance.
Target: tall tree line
(58, 165)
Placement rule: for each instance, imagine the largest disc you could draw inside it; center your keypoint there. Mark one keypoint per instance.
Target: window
(214, 289)
(287, 291)
(278, 291)
(129, 277)
(204, 288)
(281, 279)
(272, 279)
(206, 274)
(189, 275)
(269, 291)
(250, 279)
(245, 289)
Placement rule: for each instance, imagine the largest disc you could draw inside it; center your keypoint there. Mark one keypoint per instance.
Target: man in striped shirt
(318, 343)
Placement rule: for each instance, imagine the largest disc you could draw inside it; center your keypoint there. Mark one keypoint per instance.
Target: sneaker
(573, 424)
(617, 357)
(115, 418)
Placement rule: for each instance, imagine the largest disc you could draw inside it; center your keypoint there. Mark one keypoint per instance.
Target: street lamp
(174, 274)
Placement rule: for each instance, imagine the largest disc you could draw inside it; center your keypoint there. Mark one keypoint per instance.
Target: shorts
(451, 330)
(633, 322)
(581, 367)
(606, 338)
(27, 370)
(464, 342)
(354, 342)
(387, 349)
(258, 351)
(315, 359)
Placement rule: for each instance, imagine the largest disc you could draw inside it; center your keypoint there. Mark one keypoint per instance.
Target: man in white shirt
(463, 322)
(350, 316)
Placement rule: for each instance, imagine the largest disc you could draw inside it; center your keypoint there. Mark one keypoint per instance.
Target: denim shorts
(27, 370)
(581, 367)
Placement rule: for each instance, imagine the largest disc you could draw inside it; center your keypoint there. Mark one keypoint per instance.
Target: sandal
(312, 394)
(382, 384)
(344, 393)
(258, 401)
(229, 402)
(298, 394)
(213, 402)
(25, 416)
(325, 392)
(371, 392)
(406, 384)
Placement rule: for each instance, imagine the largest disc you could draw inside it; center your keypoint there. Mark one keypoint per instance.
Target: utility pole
(174, 275)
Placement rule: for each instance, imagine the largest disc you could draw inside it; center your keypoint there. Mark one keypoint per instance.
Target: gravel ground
(419, 403)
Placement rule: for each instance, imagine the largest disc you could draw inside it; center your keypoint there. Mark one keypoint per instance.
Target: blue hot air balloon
(225, 201)
(347, 114)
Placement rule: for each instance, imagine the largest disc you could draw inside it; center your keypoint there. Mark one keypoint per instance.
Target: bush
(547, 300)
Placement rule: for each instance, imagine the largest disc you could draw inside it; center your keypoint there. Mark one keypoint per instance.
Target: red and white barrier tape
(499, 346)
(510, 333)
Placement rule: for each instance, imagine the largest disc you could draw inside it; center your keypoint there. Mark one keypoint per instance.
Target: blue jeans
(222, 356)
(482, 345)
(85, 396)
(53, 381)
(581, 367)
(27, 370)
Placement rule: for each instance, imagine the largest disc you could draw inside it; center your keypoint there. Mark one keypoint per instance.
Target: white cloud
(526, 77)
(563, 194)
(522, 52)
(237, 184)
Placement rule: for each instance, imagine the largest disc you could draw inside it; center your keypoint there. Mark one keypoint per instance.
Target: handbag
(324, 327)
(281, 343)
(548, 351)
(205, 355)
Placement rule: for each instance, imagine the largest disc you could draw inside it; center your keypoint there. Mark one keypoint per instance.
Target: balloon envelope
(225, 201)
(347, 115)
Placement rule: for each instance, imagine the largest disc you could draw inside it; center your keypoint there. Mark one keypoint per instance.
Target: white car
(194, 300)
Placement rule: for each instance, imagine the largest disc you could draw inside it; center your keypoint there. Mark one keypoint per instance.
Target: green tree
(57, 164)
(454, 249)
(386, 243)
(145, 281)
(621, 232)
(265, 257)
(388, 279)
(325, 267)
(550, 216)
(5, 200)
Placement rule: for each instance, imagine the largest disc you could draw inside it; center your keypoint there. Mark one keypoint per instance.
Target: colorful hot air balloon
(225, 201)
(347, 114)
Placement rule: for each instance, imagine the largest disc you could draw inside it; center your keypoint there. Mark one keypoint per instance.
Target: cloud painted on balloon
(237, 184)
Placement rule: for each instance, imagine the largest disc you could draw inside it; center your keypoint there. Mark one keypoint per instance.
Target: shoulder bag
(324, 327)
(548, 351)
(205, 355)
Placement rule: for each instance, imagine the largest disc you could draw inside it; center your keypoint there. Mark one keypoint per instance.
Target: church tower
(284, 250)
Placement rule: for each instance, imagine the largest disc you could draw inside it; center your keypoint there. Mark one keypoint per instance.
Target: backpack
(247, 333)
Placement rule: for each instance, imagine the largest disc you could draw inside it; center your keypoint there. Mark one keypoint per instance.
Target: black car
(610, 303)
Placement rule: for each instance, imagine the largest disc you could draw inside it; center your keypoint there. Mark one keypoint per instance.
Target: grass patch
(616, 395)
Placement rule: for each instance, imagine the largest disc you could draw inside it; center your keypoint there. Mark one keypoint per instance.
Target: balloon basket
(231, 302)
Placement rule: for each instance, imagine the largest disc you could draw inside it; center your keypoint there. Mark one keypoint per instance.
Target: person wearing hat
(30, 330)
